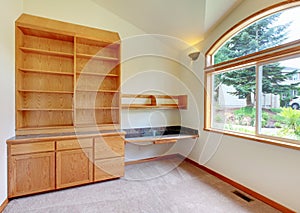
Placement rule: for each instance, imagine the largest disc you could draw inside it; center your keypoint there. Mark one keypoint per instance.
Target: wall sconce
(194, 55)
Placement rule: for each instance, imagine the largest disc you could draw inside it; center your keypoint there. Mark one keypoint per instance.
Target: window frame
(280, 52)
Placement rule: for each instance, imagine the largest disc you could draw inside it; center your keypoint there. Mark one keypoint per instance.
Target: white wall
(267, 169)
(151, 66)
(9, 12)
(84, 12)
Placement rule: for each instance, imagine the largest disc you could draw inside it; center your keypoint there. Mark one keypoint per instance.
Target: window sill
(255, 138)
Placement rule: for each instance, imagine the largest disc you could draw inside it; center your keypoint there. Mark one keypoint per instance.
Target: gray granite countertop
(157, 134)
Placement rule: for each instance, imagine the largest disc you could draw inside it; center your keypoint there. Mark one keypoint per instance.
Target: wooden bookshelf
(67, 75)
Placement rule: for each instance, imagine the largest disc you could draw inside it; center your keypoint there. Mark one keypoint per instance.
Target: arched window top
(263, 30)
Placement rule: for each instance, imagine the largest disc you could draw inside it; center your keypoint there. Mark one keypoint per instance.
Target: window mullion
(259, 94)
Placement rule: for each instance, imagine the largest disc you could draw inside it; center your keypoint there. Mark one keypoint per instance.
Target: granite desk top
(166, 134)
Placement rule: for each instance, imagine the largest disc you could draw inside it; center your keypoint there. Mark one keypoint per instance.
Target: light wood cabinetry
(44, 164)
(74, 167)
(109, 168)
(32, 172)
(109, 147)
(74, 162)
(29, 148)
(67, 76)
(109, 157)
(67, 81)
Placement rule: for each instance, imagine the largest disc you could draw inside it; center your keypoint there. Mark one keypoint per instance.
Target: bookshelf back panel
(47, 62)
(87, 44)
(37, 119)
(96, 100)
(97, 117)
(46, 82)
(46, 101)
(48, 44)
(96, 66)
(106, 51)
(86, 82)
(45, 34)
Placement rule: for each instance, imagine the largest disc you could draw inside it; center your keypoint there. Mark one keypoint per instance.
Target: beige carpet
(154, 187)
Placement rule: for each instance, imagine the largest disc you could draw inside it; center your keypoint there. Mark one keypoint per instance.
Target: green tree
(258, 36)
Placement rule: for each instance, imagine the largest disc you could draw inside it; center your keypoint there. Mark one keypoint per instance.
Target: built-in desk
(159, 135)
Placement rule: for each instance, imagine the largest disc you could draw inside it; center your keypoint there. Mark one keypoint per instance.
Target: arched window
(253, 78)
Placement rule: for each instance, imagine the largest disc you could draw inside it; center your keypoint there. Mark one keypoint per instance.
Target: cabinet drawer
(108, 147)
(108, 168)
(74, 144)
(17, 149)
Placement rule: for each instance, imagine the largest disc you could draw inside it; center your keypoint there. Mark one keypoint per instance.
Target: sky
(293, 15)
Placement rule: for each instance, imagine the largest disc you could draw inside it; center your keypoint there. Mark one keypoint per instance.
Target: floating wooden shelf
(139, 101)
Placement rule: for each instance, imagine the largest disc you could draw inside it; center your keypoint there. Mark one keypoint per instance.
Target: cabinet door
(109, 168)
(109, 147)
(74, 167)
(31, 173)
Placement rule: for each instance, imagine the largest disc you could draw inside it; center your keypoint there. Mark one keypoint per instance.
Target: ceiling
(187, 20)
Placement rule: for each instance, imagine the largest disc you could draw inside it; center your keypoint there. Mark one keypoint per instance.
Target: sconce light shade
(194, 55)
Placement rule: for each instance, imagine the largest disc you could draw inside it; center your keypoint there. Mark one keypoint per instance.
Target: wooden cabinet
(67, 76)
(109, 147)
(109, 157)
(74, 167)
(67, 81)
(109, 168)
(32, 172)
(43, 164)
(74, 162)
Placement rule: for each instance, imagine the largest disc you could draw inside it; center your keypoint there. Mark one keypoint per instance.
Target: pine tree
(258, 36)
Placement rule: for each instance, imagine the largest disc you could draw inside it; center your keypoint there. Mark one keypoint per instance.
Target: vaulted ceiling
(187, 20)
